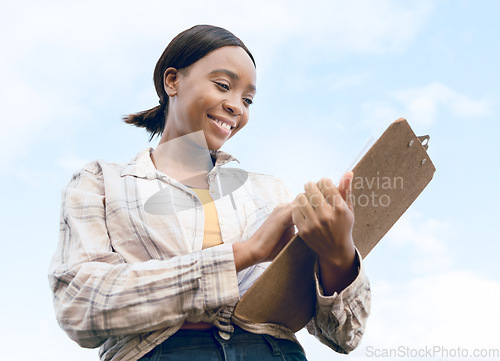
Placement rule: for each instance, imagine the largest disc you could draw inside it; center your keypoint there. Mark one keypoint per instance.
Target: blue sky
(331, 75)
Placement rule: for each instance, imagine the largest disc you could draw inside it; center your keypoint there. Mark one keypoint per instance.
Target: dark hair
(185, 49)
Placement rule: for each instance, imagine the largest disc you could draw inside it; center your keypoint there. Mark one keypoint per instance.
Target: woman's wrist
(243, 257)
(340, 257)
(339, 272)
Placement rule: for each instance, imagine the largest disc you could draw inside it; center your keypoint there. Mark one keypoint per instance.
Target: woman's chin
(215, 144)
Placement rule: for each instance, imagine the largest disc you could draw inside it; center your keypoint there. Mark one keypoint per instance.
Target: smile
(221, 123)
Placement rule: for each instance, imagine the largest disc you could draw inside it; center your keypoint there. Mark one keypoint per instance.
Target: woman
(154, 254)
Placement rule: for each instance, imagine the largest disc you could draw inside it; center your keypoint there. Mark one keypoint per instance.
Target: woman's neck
(186, 159)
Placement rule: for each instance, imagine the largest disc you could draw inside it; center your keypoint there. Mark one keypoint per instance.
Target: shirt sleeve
(340, 319)
(97, 294)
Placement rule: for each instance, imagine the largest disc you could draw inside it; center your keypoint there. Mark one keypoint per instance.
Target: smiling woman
(213, 95)
(183, 51)
(154, 254)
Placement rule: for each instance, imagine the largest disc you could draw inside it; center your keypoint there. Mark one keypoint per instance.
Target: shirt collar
(222, 157)
(142, 165)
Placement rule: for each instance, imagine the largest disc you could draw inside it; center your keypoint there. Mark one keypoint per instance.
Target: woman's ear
(170, 81)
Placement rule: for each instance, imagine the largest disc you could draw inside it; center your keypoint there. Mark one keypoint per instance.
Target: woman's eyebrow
(232, 75)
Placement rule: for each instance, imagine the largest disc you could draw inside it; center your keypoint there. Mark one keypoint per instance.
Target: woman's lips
(221, 124)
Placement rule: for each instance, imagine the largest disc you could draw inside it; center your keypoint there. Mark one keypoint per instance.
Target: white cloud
(425, 239)
(362, 26)
(422, 103)
(450, 309)
(438, 303)
(379, 115)
(422, 106)
(366, 26)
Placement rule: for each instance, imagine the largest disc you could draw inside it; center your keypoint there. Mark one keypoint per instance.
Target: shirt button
(151, 176)
(224, 335)
(221, 221)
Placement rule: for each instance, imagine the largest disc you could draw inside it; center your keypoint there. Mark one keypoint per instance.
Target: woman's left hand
(324, 217)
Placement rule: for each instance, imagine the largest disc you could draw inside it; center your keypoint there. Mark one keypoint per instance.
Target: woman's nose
(232, 108)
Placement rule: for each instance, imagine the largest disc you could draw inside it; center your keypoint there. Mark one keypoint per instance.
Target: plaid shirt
(126, 279)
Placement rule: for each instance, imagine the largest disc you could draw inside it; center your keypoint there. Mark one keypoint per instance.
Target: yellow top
(212, 236)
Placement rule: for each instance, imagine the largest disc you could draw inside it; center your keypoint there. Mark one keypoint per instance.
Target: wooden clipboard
(387, 180)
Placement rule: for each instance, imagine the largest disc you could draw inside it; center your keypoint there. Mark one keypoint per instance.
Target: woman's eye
(248, 101)
(222, 85)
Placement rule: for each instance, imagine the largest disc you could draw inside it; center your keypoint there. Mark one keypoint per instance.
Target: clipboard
(387, 180)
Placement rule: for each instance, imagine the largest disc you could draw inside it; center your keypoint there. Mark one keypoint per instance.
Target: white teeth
(224, 125)
(221, 123)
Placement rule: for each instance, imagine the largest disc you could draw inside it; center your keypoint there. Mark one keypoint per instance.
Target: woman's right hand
(276, 231)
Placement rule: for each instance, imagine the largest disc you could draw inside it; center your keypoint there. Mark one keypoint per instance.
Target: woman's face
(213, 95)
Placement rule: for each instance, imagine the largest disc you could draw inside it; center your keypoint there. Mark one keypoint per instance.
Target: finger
(284, 212)
(334, 196)
(296, 209)
(345, 188)
(314, 195)
(326, 187)
(304, 207)
(297, 217)
(350, 197)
